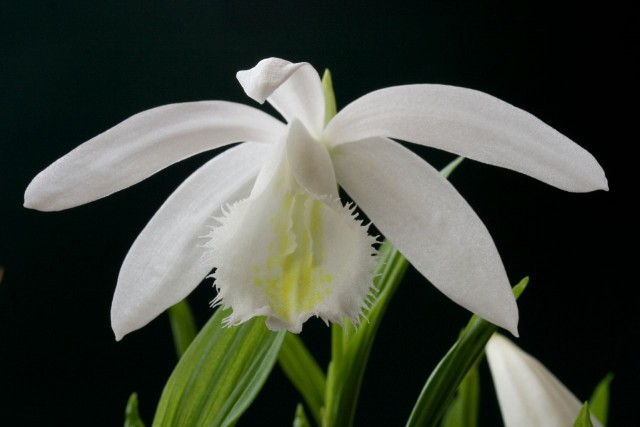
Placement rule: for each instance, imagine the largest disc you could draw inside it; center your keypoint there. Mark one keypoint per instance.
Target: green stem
(352, 347)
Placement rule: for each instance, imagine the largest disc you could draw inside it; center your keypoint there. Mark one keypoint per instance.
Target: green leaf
(351, 347)
(219, 375)
(445, 379)
(131, 415)
(330, 108)
(183, 326)
(599, 402)
(463, 411)
(584, 417)
(301, 418)
(303, 371)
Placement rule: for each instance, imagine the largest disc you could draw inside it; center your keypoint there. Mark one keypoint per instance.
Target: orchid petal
(529, 395)
(471, 124)
(165, 263)
(424, 216)
(295, 90)
(141, 146)
(287, 255)
(310, 162)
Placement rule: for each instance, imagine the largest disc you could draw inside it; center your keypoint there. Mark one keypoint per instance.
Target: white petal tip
(119, 332)
(507, 318)
(123, 326)
(267, 76)
(605, 185)
(40, 195)
(31, 201)
(598, 182)
(247, 81)
(511, 326)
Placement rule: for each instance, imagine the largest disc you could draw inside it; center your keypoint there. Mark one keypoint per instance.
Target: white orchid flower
(529, 395)
(285, 247)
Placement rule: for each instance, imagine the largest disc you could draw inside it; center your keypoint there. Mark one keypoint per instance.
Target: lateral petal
(424, 216)
(471, 124)
(141, 146)
(529, 395)
(165, 262)
(295, 90)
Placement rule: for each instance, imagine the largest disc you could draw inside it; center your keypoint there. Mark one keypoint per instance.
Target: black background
(71, 70)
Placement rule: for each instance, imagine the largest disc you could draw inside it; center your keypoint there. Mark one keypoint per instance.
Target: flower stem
(351, 347)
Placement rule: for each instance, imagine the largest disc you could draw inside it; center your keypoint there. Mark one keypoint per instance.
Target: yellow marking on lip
(293, 278)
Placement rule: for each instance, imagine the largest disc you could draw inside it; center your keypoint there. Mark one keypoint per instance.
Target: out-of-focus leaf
(463, 411)
(303, 371)
(131, 414)
(445, 379)
(599, 402)
(584, 417)
(183, 326)
(301, 418)
(219, 375)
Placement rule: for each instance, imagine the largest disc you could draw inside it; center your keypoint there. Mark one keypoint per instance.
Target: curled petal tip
(267, 76)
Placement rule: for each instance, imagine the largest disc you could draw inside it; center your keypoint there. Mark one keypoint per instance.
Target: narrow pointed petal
(165, 263)
(310, 162)
(424, 216)
(474, 125)
(295, 90)
(141, 146)
(529, 395)
(287, 255)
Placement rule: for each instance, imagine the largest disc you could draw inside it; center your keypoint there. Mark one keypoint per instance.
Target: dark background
(71, 70)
